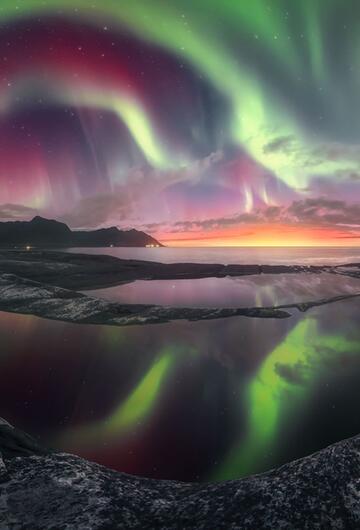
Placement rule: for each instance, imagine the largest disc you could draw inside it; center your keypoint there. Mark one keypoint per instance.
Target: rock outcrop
(84, 271)
(46, 284)
(61, 491)
(19, 295)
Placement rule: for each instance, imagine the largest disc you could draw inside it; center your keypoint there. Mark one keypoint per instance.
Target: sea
(234, 255)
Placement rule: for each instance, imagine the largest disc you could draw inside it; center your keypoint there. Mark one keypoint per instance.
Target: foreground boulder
(62, 491)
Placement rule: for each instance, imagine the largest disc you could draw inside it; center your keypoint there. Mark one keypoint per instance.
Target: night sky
(207, 122)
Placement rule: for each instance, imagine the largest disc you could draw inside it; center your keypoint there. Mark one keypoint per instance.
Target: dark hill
(40, 232)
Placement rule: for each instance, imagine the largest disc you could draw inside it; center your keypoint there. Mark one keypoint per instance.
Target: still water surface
(248, 291)
(191, 401)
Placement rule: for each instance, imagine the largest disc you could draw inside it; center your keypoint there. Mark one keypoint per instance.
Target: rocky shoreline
(41, 490)
(19, 295)
(43, 284)
(84, 271)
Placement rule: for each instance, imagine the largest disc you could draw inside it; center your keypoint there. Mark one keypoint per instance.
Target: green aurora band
(292, 33)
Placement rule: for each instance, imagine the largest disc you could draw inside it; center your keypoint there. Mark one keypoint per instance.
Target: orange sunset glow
(269, 236)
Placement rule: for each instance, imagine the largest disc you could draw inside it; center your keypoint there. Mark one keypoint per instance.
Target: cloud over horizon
(16, 212)
(313, 212)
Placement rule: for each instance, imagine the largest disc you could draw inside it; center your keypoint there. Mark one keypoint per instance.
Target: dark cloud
(323, 211)
(282, 143)
(96, 211)
(294, 375)
(311, 211)
(349, 236)
(118, 206)
(354, 176)
(13, 212)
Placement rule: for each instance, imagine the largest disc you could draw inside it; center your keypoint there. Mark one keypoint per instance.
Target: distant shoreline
(47, 284)
(73, 270)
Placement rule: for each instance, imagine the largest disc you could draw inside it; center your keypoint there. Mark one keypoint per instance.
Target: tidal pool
(190, 401)
(246, 291)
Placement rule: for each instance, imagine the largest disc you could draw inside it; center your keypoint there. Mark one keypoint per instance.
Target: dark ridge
(40, 232)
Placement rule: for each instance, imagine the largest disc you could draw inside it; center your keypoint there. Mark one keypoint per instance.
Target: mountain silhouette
(41, 232)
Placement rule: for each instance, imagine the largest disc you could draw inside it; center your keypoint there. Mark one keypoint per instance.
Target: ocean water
(233, 255)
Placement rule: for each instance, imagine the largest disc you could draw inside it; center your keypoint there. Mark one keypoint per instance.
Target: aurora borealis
(203, 123)
(221, 128)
